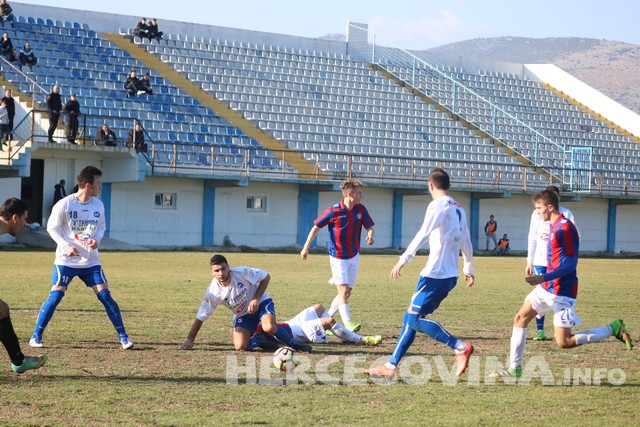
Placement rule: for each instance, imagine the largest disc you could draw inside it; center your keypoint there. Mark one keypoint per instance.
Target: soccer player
(244, 291)
(445, 227)
(77, 224)
(345, 220)
(537, 251)
(13, 215)
(309, 326)
(556, 290)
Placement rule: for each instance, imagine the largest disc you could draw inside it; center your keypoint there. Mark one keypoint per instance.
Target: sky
(411, 24)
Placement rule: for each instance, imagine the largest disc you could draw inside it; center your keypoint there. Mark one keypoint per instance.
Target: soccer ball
(283, 359)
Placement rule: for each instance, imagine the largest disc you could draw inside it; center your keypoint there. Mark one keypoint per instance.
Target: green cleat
(507, 373)
(540, 336)
(329, 333)
(620, 332)
(371, 340)
(353, 326)
(30, 362)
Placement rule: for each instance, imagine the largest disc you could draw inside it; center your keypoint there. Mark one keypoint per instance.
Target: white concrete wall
(584, 94)
(627, 229)
(277, 227)
(135, 219)
(378, 202)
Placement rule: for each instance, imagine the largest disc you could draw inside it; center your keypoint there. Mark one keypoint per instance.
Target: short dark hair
(88, 175)
(554, 189)
(547, 197)
(440, 179)
(218, 259)
(13, 207)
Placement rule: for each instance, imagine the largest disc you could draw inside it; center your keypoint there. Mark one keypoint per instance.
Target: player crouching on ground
(244, 291)
(309, 326)
(556, 290)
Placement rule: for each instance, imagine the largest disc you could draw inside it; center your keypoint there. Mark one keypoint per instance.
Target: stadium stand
(384, 123)
(82, 61)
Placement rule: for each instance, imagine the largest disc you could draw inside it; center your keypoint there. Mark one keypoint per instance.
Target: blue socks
(407, 335)
(46, 312)
(413, 323)
(283, 336)
(540, 324)
(113, 311)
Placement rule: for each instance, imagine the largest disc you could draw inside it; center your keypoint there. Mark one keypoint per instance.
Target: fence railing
(436, 82)
(466, 170)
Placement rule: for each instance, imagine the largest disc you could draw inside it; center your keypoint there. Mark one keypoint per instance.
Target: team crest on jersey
(240, 286)
(96, 214)
(83, 237)
(359, 216)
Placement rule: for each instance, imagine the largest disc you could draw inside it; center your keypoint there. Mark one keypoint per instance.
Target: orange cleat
(462, 359)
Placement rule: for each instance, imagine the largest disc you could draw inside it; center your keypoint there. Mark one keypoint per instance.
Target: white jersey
(73, 223)
(237, 295)
(539, 237)
(445, 227)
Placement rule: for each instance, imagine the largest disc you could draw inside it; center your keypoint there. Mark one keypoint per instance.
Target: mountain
(608, 66)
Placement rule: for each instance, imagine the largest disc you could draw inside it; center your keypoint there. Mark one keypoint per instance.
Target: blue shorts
(430, 293)
(539, 269)
(91, 276)
(250, 321)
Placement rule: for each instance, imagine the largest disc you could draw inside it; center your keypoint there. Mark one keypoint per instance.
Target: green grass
(90, 380)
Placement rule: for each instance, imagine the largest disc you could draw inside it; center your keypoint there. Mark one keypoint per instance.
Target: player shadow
(130, 379)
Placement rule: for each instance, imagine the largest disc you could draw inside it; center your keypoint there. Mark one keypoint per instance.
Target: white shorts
(344, 271)
(306, 326)
(564, 314)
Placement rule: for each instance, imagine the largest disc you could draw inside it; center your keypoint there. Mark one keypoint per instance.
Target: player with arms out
(13, 216)
(445, 228)
(556, 290)
(244, 291)
(310, 326)
(537, 250)
(77, 224)
(345, 220)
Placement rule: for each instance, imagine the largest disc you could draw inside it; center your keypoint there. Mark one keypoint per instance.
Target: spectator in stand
(132, 85)
(54, 104)
(14, 59)
(136, 139)
(141, 30)
(6, 46)
(6, 13)
(4, 123)
(144, 85)
(105, 136)
(72, 108)
(153, 33)
(11, 110)
(27, 57)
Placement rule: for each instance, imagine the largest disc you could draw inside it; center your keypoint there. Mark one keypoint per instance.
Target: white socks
(518, 341)
(334, 307)
(344, 313)
(345, 334)
(593, 335)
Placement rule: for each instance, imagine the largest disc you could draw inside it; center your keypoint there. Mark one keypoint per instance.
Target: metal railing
(439, 84)
(228, 160)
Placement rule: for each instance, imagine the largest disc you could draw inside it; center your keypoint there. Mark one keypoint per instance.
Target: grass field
(90, 380)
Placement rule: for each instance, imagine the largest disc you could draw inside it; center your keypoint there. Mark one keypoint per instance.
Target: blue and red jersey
(345, 227)
(562, 259)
